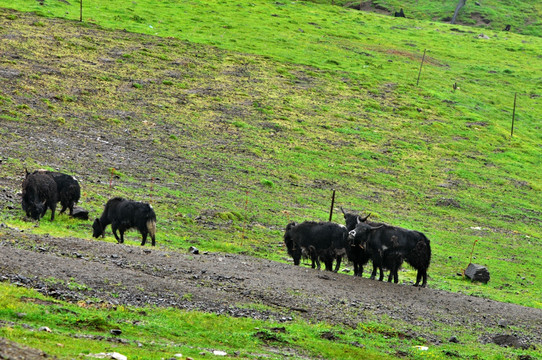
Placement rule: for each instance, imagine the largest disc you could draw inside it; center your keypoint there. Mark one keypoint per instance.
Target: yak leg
(338, 265)
(144, 236)
(421, 274)
(329, 264)
(114, 230)
(373, 274)
(52, 206)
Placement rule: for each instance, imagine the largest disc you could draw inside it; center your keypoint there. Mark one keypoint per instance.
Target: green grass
(155, 333)
(257, 129)
(78, 330)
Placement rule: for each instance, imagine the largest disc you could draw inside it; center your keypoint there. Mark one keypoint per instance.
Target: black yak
(125, 214)
(39, 194)
(320, 240)
(68, 189)
(388, 246)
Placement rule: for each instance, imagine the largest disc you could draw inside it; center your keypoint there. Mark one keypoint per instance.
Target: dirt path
(220, 283)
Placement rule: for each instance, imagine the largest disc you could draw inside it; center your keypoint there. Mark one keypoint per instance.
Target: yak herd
(360, 240)
(43, 189)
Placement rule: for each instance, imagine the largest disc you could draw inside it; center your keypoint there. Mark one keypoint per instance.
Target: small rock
(483, 36)
(477, 272)
(193, 250)
(503, 323)
(178, 355)
(219, 353)
(44, 328)
(116, 331)
(453, 339)
(80, 213)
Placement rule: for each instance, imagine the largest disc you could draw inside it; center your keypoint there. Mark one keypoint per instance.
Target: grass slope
(246, 143)
(523, 16)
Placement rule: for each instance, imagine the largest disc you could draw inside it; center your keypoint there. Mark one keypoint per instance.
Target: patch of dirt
(226, 284)
(13, 351)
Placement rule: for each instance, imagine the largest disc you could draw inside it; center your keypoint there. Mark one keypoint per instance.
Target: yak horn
(365, 218)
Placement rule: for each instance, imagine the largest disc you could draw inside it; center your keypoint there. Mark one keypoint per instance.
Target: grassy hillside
(281, 104)
(253, 142)
(523, 16)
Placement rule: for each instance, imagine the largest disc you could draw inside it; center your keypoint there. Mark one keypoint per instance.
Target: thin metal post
(513, 115)
(420, 72)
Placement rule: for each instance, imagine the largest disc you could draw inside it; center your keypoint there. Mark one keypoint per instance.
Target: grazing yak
(388, 246)
(68, 189)
(39, 194)
(320, 240)
(125, 214)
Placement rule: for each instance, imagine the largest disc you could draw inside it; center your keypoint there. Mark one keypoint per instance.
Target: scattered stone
(193, 250)
(509, 340)
(219, 353)
(80, 213)
(477, 272)
(477, 3)
(483, 36)
(44, 328)
(111, 355)
(116, 331)
(503, 323)
(454, 340)
(178, 355)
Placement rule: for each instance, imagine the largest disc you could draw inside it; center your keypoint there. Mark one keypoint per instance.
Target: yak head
(97, 229)
(351, 219)
(34, 210)
(360, 235)
(31, 203)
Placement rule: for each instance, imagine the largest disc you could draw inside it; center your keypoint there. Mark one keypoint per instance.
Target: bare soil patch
(227, 284)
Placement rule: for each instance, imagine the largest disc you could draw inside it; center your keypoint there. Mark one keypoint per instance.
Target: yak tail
(151, 228)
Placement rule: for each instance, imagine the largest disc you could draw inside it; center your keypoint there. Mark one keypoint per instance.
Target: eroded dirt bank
(221, 283)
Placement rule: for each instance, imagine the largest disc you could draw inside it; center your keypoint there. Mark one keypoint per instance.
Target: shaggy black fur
(320, 240)
(126, 214)
(388, 246)
(39, 194)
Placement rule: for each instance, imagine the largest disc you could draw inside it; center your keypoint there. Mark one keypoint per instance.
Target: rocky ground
(221, 283)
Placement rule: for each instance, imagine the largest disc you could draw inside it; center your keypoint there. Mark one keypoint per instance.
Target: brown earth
(222, 283)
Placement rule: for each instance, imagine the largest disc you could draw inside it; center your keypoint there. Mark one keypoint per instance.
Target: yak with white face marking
(388, 246)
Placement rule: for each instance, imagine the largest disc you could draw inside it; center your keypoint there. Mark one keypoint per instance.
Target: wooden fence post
(332, 204)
